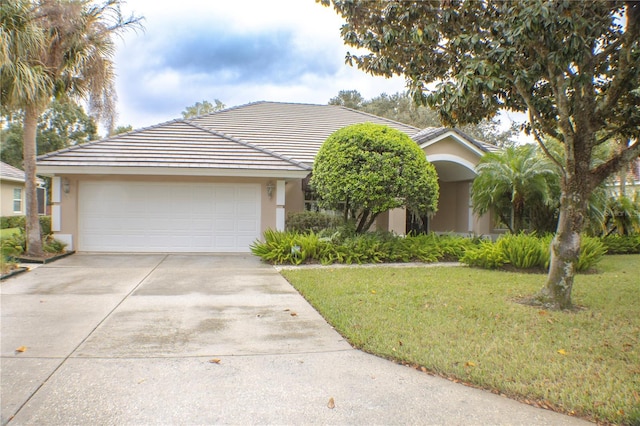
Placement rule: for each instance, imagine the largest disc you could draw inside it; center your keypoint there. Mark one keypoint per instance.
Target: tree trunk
(32, 222)
(565, 250)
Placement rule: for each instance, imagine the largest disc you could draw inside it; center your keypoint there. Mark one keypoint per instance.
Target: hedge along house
(216, 182)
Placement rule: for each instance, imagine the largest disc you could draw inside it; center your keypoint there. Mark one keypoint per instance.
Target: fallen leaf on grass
(215, 361)
(562, 352)
(469, 364)
(21, 349)
(373, 292)
(331, 404)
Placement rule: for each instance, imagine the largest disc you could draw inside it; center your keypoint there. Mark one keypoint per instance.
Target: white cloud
(237, 51)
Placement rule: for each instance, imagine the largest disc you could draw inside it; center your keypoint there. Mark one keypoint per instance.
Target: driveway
(204, 339)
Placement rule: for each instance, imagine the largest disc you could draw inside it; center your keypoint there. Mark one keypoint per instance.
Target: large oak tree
(572, 66)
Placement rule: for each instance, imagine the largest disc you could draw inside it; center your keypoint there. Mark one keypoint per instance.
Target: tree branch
(604, 170)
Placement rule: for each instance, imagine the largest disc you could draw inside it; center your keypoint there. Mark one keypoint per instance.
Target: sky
(237, 51)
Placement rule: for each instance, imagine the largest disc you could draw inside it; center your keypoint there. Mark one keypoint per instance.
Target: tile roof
(177, 143)
(8, 172)
(294, 130)
(261, 136)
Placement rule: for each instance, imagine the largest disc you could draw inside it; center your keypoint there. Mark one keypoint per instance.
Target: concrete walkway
(204, 339)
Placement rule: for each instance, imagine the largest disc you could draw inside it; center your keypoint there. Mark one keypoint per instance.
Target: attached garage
(121, 216)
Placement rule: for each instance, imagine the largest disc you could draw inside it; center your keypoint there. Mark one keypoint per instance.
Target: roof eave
(51, 170)
(469, 144)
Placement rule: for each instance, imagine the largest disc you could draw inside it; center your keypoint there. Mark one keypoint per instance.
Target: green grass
(465, 324)
(7, 232)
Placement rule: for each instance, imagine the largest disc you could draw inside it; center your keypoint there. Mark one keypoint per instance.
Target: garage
(126, 216)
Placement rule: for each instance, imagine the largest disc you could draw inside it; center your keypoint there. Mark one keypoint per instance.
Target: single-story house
(12, 200)
(216, 182)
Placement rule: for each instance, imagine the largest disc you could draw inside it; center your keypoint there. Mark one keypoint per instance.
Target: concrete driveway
(204, 339)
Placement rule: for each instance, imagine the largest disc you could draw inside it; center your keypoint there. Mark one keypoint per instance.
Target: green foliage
(524, 251)
(63, 123)
(516, 183)
(12, 222)
(591, 252)
(19, 222)
(487, 256)
(622, 216)
(13, 246)
(345, 246)
(368, 169)
(312, 221)
(202, 108)
(622, 244)
(348, 99)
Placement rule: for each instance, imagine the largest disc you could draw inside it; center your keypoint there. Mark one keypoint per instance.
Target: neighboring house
(216, 182)
(12, 201)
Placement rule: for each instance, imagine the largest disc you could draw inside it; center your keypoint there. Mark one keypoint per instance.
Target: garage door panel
(168, 217)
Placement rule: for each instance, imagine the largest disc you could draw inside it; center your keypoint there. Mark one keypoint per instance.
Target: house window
(17, 200)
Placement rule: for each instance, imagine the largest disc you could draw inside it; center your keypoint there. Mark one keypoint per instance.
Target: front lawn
(465, 324)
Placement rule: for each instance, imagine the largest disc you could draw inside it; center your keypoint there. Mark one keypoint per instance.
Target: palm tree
(56, 48)
(514, 183)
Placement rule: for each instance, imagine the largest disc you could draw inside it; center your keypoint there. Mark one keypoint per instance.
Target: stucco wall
(452, 147)
(6, 198)
(295, 196)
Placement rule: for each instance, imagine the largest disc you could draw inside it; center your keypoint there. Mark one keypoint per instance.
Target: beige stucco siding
(6, 198)
(449, 146)
(294, 202)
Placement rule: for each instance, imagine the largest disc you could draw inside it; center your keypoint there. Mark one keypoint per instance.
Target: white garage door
(167, 217)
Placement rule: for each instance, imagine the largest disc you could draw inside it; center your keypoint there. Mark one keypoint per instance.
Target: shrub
(453, 247)
(528, 251)
(524, 251)
(45, 225)
(622, 244)
(312, 221)
(52, 245)
(19, 222)
(487, 255)
(591, 252)
(12, 222)
(14, 245)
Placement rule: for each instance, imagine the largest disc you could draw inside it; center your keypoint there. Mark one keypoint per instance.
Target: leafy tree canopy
(201, 108)
(366, 169)
(122, 129)
(61, 125)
